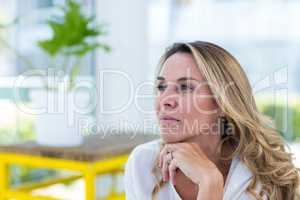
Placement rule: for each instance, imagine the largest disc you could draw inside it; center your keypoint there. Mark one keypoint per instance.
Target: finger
(168, 148)
(173, 146)
(172, 171)
(165, 171)
(162, 153)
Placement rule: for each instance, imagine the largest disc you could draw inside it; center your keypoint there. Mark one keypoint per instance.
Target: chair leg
(90, 188)
(4, 180)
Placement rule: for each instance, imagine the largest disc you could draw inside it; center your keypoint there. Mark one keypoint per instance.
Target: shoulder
(143, 156)
(238, 180)
(150, 149)
(138, 177)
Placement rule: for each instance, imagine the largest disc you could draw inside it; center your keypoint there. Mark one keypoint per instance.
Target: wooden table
(97, 155)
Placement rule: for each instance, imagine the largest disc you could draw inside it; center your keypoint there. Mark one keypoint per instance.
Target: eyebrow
(180, 79)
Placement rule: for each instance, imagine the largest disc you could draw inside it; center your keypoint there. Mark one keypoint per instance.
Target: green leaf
(73, 35)
(71, 31)
(85, 48)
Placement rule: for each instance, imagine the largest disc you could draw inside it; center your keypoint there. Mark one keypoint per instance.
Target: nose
(170, 103)
(169, 100)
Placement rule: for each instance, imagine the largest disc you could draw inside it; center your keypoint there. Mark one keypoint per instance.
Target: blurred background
(263, 35)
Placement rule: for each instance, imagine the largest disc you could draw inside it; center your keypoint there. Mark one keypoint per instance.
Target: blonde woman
(214, 144)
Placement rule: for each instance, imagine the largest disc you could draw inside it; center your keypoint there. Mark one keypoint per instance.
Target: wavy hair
(256, 140)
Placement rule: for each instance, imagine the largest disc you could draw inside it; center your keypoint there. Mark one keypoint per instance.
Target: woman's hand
(190, 159)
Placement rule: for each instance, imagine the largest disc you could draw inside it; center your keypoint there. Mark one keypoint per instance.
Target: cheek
(204, 103)
(202, 109)
(206, 106)
(199, 116)
(200, 105)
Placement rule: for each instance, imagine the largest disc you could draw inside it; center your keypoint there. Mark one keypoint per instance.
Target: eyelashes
(182, 88)
(161, 87)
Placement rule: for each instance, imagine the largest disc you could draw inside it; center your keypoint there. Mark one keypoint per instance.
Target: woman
(214, 144)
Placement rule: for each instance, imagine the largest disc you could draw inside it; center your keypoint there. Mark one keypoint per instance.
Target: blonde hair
(258, 144)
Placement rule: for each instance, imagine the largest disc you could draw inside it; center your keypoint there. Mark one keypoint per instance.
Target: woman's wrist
(211, 188)
(210, 178)
(210, 192)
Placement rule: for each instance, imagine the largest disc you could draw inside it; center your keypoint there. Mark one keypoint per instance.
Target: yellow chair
(96, 156)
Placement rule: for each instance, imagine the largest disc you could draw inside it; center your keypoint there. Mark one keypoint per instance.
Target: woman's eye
(185, 88)
(182, 88)
(161, 87)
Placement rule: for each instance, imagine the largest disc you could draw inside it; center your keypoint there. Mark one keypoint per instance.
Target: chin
(172, 137)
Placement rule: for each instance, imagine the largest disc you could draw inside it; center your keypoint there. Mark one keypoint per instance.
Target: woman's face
(184, 104)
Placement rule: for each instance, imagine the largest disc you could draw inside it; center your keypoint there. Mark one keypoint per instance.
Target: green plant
(74, 36)
(286, 119)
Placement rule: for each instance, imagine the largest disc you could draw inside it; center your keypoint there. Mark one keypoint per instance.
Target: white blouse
(139, 180)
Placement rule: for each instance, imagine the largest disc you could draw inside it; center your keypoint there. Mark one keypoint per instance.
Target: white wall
(127, 25)
(7, 15)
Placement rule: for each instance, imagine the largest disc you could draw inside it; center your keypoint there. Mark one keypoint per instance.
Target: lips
(167, 118)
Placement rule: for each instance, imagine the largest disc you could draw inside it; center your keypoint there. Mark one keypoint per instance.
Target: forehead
(180, 65)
